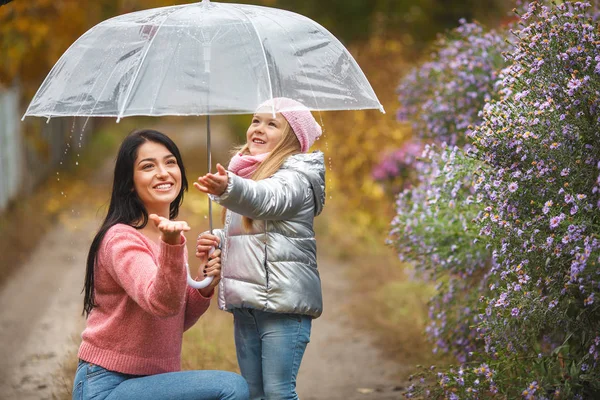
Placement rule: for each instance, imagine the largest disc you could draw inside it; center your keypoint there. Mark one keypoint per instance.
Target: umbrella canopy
(202, 59)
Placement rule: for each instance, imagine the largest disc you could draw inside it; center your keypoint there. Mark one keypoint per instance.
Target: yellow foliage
(355, 140)
(53, 205)
(35, 33)
(198, 204)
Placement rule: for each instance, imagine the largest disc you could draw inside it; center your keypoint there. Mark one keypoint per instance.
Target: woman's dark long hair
(125, 205)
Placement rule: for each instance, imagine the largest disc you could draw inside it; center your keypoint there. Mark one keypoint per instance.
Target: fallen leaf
(365, 390)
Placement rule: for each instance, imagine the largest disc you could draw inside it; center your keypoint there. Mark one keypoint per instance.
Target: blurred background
(385, 36)
(54, 172)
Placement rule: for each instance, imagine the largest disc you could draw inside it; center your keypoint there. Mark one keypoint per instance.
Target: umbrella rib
(120, 115)
(262, 47)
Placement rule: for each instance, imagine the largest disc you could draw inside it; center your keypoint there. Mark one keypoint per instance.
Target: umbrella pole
(210, 221)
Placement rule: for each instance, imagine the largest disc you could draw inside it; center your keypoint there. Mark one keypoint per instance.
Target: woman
(137, 301)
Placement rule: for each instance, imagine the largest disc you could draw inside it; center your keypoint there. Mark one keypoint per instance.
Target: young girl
(137, 301)
(272, 192)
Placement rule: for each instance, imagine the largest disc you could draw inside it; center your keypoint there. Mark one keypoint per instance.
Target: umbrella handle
(198, 284)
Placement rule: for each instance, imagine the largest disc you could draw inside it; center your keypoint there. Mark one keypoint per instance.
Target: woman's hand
(204, 243)
(170, 231)
(214, 184)
(212, 268)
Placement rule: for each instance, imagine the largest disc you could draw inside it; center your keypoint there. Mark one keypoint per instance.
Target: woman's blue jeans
(269, 349)
(97, 383)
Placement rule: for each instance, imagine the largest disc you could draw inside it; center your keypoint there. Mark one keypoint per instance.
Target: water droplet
(76, 162)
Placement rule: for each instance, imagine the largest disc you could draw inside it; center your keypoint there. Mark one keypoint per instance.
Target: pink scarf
(245, 165)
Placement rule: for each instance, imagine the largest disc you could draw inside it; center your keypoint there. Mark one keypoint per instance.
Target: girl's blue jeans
(269, 349)
(95, 382)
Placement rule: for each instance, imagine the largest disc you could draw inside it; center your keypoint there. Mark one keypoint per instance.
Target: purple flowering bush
(433, 231)
(433, 228)
(442, 97)
(532, 317)
(397, 170)
(542, 142)
(522, 7)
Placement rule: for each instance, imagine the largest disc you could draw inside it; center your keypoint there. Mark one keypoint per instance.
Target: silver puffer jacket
(273, 267)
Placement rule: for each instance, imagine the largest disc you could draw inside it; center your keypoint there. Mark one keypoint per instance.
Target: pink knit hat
(299, 117)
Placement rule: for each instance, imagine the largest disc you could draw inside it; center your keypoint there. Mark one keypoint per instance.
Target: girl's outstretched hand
(170, 231)
(214, 184)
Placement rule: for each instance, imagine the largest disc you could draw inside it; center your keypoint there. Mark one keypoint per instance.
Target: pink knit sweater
(144, 305)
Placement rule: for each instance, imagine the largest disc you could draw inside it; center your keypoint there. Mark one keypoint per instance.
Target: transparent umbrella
(202, 58)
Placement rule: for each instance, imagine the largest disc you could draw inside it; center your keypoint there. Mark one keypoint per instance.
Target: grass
(209, 344)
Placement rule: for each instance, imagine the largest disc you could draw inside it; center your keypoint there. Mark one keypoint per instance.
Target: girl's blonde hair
(287, 146)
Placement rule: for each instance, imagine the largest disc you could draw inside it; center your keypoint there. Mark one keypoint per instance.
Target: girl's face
(265, 132)
(156, 177)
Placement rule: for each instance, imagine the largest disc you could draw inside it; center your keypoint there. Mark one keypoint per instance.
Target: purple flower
(573, 85)
(555, 221)
(584, 367)
(546, 208)
(574, 210)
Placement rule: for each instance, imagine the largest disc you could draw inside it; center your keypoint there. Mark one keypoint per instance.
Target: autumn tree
(35, 33)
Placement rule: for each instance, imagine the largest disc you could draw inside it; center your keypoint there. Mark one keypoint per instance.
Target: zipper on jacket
(265, 260)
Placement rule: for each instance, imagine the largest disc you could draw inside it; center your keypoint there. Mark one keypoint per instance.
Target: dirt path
(40, 319)
(40, 312)
(340, 362)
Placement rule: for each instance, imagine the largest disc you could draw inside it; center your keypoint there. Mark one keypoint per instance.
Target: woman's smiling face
(265, 132)
(156, 177)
